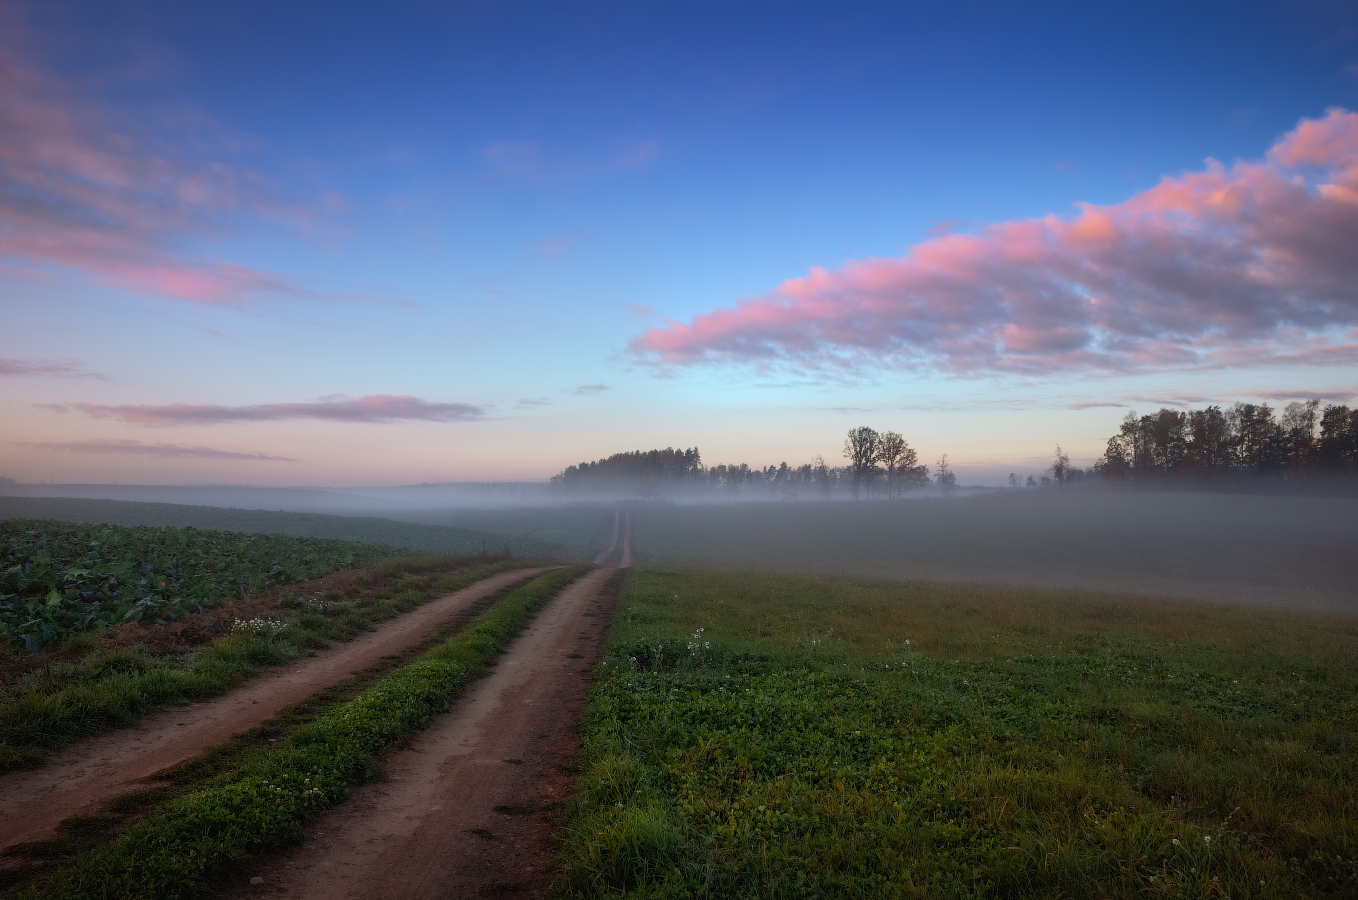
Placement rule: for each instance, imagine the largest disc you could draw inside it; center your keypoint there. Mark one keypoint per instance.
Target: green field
(88, 687)
(1231, 548)
(760, 735)
(368, 529)
(59, 579)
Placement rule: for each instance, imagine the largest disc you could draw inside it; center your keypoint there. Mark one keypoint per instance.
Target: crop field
(104, 575)
(425, 538)
(58, 579)
(765, 735)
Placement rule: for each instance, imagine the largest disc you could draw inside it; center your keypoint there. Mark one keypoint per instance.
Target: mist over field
(1276, 551)
(1255, 549)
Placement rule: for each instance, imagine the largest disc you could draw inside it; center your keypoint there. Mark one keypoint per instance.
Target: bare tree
(820, 473)
(1060, 467)
(860, 449)
(944, 477)
(1013, 480)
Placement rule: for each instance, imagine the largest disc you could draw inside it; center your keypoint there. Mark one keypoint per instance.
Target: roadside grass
(25, 863)
(262, 802)
(112, 687)
(835, 737)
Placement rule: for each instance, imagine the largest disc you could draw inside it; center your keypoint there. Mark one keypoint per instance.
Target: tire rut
(82, 778)
(467, 808)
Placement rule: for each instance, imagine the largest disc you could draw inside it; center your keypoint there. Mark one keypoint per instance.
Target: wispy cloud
(589, 389)
(532, 402)
(83, 190)
(1229, 266)
(1340, 395)
(51, 368)
(529, 160)
(376, 408)
(163, 451)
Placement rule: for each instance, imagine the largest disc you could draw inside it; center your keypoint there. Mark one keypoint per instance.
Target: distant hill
(431, 538)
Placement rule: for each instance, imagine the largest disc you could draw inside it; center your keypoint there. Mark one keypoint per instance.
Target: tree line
(1247, 443)
(880, 465)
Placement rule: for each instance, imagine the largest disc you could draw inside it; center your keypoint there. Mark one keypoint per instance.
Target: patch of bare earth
(467, 808)
(80, 779)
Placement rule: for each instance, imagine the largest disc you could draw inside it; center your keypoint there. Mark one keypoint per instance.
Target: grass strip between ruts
(113, 689)
(203, 835)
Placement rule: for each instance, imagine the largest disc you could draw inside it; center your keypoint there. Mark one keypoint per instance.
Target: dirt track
(622, 523)
(465, 809)
(78, 780)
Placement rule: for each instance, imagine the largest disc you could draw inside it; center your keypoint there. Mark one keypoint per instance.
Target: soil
(626, 561)
(467, 808)
(80, 779)
(602, 558)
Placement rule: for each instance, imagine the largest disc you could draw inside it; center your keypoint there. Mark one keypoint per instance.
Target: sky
(371, 244)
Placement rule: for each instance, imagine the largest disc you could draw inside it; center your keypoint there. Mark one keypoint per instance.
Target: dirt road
(626, 562)
(463, 811)
(79, 779)
(602, 558)
(622, 524)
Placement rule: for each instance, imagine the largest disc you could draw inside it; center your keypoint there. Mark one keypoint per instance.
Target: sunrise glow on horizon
(361, 246)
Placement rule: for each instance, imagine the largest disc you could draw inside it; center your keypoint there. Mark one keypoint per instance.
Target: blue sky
(279, 208)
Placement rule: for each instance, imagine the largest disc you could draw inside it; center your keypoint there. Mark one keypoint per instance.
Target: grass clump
(113, 687)
(263, 803)
(854, 738)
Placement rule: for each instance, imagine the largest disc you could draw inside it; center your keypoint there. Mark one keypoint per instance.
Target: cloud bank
(375, 408)
(82, 191)
(1244, 265)
(163, 451)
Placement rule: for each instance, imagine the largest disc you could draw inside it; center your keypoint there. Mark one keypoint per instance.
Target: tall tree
(903, 471)
(944, 477)
(1060, 467)
(860, 449)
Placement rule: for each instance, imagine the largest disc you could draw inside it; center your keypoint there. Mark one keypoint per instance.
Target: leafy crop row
(110, 688)
(58, 578)
(263, 805)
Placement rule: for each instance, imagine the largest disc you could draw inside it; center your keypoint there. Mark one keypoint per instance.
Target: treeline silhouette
(669, 472)
(1246, 445)
(881, 465)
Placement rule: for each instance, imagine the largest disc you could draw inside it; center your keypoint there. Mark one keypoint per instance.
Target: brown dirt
(602, 558)
(80, 779)
(467, 808)
(626, 562)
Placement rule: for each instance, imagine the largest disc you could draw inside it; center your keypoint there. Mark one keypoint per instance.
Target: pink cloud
(59, 368)
(370, 409)
(82, 191)
(1238, 265)
(160, 451)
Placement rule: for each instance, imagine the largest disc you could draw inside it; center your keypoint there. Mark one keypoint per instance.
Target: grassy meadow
(767, 735)
(1229, 548)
